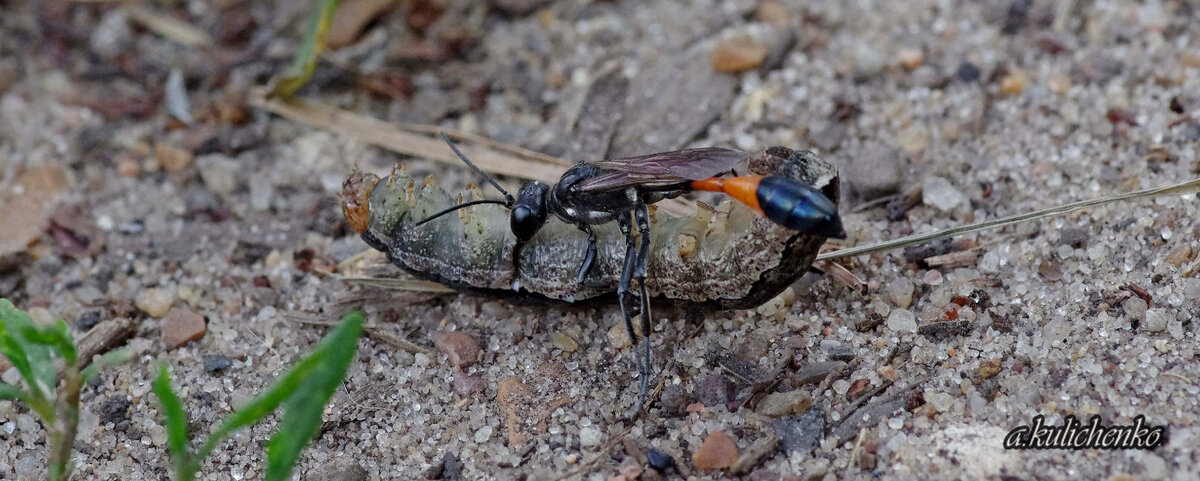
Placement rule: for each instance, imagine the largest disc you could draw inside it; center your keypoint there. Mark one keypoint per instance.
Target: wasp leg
(643, 223)
(590, 256)
(627, 271)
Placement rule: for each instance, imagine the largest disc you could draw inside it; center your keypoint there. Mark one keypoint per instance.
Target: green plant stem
(63, 432)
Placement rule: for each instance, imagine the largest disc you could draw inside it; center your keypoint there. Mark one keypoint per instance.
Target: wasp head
(529, 212)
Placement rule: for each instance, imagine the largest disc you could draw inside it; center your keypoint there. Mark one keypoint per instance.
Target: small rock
(782, 404)
(715, 390)
(112, 37)
(902, 320)
(1073, 236)
(155, 301)
(837, 351)
(217, 362)
(773, 12)
(717, 452)
(875, 173)
(816, 372)
(988, 368)
(868, 60)
(114, 410)
(1014, 82)
(619, 337)
(262, 192)
(673, 401)
(462, 349)
(1135, 307)
(1180, 255)
(218, 173)
(802, 434)
(737, 54)
(660, 461)
(888, 372)
(900, 292)
(518, 7)
(941, 194)
(1156, 320)
(590, 436)
(1059, 84)
(172, 158)
(933, 278)
(911, 58)
(88, 320)
(468, 384)
(563, 342)
(339, 469)
(967, 72)
(912, 140)
(181, 326)
(829, 137)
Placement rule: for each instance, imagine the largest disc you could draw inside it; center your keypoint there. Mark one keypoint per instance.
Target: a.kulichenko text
(1074, 435)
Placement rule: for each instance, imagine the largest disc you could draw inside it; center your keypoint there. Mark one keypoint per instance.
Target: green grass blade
(279, 392)
(32, 360)
(301, 68)
(111, 358)
(9, 392)
(303, 410)
(177, 426)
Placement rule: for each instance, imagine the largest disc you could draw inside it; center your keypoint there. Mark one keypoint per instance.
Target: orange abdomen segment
(743, 189)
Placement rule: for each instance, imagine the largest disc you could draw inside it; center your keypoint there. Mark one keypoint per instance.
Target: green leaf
(9, 392)
(177, 426)
(286, 385)
(58, 337)
(108, 359)
(301, 68)
(33, 360)
(303, 409)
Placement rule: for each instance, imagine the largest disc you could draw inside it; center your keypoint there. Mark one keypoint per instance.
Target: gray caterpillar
(727, 257)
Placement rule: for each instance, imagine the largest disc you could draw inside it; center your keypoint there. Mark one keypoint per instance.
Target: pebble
(673, 401)
(1059, 83)
(911, 58)
(933, 278)
(518, 7)
(913, 139)
(773, 12)
(781, 404)
(619, 338)
(468, 384)
(590, 436)
(738, 54)
(462, 349)
(967, 72)
(877, 172)
(1073, 236)
(868, 60)
(941, 194)
(1014, 82)
(717, 452)
(988, 368)
(715, 390)
(112, 37)
(217, 172)
(801, 434)
(900, 292)
(888, 372)
(88, 320)
(1156, 320)
(902, 320)
(660, 461)
(172, 158)
(1180, 255)
(217, 362)
(1135, 307)
(155, 301)
(816, 372)
(563, 342)
(181, 326)
(837, 351)
(262, 192)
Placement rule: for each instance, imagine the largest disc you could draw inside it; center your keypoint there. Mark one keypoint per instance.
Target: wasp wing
(663, 168)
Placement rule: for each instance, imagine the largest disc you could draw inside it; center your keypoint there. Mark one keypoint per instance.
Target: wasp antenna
(507, 197)
(460, 206)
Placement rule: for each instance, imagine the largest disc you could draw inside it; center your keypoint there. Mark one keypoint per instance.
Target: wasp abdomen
(799, 207)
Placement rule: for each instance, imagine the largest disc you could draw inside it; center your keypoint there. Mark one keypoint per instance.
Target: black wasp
(602, 191)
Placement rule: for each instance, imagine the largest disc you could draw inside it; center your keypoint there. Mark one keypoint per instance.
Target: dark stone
(801, 434)
(448, 468)
(247, 253)
(673, 401)
(838, 351)
(216, 362)
(716, 390)
(88, 320)
(114, 410)
(968, 72)
(1074, 236)
(660, 461)
(942, 330)
(874, 174)
(816, 372)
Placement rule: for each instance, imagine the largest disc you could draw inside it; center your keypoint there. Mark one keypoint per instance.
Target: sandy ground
(992, 107)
